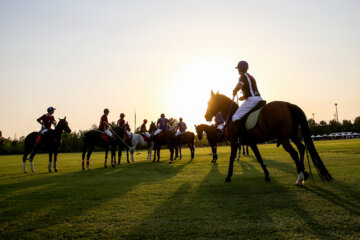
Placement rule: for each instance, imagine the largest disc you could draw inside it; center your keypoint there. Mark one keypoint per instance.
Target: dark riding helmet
(50, 109)
(122, 115)
(145, 120)
(162, 115)
(180, 119)
(106, 110)
(243, 66)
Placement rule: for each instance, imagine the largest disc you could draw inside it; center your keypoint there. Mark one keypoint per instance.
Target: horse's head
(213, 106)
(219, 103)
(152, 127)
(63, 125)
(199, 132)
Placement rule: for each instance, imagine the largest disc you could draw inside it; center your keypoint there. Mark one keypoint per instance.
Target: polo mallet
(112, 131)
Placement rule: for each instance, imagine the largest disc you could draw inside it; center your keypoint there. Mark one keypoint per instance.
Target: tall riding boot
(241, 131)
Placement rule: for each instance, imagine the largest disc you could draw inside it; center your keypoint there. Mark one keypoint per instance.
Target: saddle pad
(105, 137)
(252, 120)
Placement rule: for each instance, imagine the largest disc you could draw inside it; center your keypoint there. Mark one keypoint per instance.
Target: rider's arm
(237, 88)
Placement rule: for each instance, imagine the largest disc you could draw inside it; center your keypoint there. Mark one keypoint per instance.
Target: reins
(231, 105)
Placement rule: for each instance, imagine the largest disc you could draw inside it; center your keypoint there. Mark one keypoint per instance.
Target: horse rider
(181, 127)
(250, 96)
(219, 122)
(161, 124)
(104, 123)
(143, 129)
(121, 123)
(47, 120)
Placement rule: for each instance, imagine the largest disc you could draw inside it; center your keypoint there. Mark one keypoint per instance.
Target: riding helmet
(180, 119)
(106, 110)
(145, 120)
(162, 115)
(122, 115)
(50, 109)
(243, 66)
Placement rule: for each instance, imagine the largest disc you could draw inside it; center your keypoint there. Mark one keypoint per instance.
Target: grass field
(183, 200)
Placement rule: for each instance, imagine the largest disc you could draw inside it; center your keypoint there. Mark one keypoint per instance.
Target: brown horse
(212, 135)
(277, 120)
(185, 138)
(166, 137)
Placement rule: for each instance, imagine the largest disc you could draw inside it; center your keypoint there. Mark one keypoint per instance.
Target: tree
(356, 125)
(334, 126)
(347, 126)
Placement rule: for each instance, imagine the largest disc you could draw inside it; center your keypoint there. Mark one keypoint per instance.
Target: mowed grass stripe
(184, 200)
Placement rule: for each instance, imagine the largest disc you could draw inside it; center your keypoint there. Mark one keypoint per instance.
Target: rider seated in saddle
(250, 96)
(104, 123)
(219, 122)
(181, 127)
(143, 130)
(121, 123)
(47, 120)
(161, 124)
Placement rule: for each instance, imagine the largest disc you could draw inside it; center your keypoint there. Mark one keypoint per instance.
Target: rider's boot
(241, 131)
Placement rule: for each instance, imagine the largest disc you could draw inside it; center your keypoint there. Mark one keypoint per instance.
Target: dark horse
(166, 137)
(94, 138)
(50, 141)
(124, 142)
(280, 120)
(243, 149)
(212, 135)
(185, 138)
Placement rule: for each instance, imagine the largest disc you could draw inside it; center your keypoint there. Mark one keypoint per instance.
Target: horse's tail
(299, 116)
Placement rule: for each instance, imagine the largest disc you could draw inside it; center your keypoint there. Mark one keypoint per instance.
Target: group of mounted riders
(280, 120)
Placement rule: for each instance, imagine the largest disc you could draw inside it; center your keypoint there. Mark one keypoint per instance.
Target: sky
(153, 57)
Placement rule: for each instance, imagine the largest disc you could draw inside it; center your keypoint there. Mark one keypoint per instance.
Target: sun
(188, 89)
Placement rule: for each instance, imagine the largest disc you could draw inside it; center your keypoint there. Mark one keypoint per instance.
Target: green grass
(184, 200)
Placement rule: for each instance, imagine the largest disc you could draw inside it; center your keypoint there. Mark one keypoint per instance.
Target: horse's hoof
(267, 179)
(191, 159)
(105, 166)
(25, 171)
(49, 170)
(55, 170)
(113, 165)
(228, 179)
(83, 169)
(306, 175)
(119, 163)
(298, 183)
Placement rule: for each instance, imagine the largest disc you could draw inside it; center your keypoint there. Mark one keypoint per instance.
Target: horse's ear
(195, 125)
(212, 93)
(65, 118)
(217, 92)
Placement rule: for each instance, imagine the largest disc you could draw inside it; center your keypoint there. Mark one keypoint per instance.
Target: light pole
(314, 117)
(337, 116)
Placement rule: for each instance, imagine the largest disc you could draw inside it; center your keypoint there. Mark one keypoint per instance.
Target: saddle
(249, 121)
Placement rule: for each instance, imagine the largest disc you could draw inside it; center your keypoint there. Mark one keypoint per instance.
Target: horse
(50, 141)
(94, 138)
(123, 142)
(212, 135)
(166, 137)
(280, 120)
(138, 140)
(185, 138)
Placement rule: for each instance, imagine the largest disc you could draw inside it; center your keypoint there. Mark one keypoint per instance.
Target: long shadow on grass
(247, 208)
(40, 203)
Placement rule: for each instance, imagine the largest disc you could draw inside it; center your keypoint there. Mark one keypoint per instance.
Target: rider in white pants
(251, 95)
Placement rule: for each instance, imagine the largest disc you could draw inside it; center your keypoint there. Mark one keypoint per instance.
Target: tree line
(72, 142)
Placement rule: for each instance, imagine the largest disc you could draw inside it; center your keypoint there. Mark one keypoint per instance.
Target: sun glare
(189, 88)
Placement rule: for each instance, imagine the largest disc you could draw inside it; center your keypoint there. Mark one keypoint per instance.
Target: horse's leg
(239, 155)
(55, 161)
(83, 157)
(91, 149)
(171, 148)
(191, 150)
(301, 149)
(50, 160)
(243, 147)
(294, 155)
(106, 156)
(247, 150)
(158, 153)
(154, 153)
(24, 161)
(112, 155)
(127, 155)
(259, 158)
(180, 152)
(214, 150)
(231, 163)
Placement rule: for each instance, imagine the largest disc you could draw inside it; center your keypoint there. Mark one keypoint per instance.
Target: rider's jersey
(219, 119)
(143, 128)
(47, 120)
(181, 126)
(162, 123)
(249, 88)
(121, 122)
(103, 120)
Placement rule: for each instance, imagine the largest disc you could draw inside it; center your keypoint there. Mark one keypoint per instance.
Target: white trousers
(179, 133)
(147, 134)
(247, 105)
(157, 131)
(128, 133)
(107, 131)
